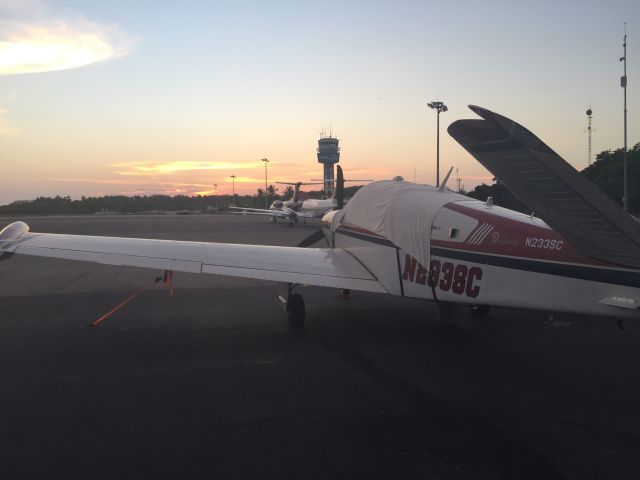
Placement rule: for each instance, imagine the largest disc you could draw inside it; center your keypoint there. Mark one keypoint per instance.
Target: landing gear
(447, 315)
(295, 310)
(274, 219)
(480, 310)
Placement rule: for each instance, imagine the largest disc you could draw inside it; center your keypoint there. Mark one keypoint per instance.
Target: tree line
(137, 204)
(606, 172)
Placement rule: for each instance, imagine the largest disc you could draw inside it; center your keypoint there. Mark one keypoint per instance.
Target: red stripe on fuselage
(515, 238)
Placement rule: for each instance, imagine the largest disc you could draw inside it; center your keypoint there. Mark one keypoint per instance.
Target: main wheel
(480, 310)
(295, 310)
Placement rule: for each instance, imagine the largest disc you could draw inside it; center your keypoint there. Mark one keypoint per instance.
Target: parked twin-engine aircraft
(284, 209)
(295, 209)
(413, 240)
(318, 207)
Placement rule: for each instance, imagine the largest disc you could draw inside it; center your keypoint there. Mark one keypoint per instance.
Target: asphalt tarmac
(213, 383)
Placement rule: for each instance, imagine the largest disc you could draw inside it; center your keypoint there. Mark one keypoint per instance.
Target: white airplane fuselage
(319, 207)
(487, 255)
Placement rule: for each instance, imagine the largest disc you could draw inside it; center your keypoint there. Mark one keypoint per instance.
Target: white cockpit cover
(399, 211)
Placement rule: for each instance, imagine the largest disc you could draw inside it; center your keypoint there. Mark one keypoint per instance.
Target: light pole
(623, 84)
(233, 186)
(439, 107)
(265, 182)
(215, 192)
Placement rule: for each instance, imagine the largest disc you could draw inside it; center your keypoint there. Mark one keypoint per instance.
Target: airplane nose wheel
(295, 310)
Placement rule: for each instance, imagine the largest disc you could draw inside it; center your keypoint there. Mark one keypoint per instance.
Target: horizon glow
(142, 98)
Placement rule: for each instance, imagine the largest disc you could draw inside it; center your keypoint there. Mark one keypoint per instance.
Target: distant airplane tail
(296, 192)
(296, 188)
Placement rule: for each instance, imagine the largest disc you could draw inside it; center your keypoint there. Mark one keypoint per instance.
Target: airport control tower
(328, 155)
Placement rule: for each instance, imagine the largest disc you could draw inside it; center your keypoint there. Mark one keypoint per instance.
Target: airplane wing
(260, 211)
(310, 214)
(310, 266)
(566, 200)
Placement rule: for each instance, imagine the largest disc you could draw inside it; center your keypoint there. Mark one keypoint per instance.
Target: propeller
(313, 182)
(339, 188)
(334, 181)
(311, 239)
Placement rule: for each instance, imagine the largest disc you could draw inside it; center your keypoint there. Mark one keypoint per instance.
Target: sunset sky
(144, 97)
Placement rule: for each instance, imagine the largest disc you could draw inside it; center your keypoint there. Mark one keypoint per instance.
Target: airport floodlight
(233, 187)
(438, 107)
(265, 182)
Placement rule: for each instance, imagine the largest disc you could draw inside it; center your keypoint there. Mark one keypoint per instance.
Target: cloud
(7, 129)
(35, 40)
(167, 168)
(125, 186)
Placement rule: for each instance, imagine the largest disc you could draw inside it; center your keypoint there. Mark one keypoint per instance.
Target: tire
(295, 310)
(480, 310)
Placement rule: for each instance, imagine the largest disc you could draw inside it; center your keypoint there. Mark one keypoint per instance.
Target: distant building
(328, 155)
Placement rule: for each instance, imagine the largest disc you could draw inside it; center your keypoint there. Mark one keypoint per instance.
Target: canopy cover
(402, 212)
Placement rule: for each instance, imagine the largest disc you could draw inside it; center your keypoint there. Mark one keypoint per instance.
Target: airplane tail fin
(339, 191)
(565, 199)
(296, 192)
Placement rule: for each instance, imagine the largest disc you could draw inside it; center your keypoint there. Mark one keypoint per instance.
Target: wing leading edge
(287, 214)
(566, 200)
(310, 266)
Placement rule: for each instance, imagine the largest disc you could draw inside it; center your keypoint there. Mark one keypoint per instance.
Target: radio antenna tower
(623, 84)
(589, 130)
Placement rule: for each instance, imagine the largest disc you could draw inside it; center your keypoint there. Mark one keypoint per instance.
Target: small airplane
(294, 209)
(283, 209)
(318, 207)
(395, 237)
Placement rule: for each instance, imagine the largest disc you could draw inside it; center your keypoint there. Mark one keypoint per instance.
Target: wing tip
(13, 231)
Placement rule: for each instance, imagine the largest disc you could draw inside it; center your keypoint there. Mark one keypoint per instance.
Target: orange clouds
(162, 168)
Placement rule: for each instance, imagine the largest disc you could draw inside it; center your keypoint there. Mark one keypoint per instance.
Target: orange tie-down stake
(165, 279)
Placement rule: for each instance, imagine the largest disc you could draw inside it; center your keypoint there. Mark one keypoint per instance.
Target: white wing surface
(310, 266)
(284, 213)
(259, 211)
